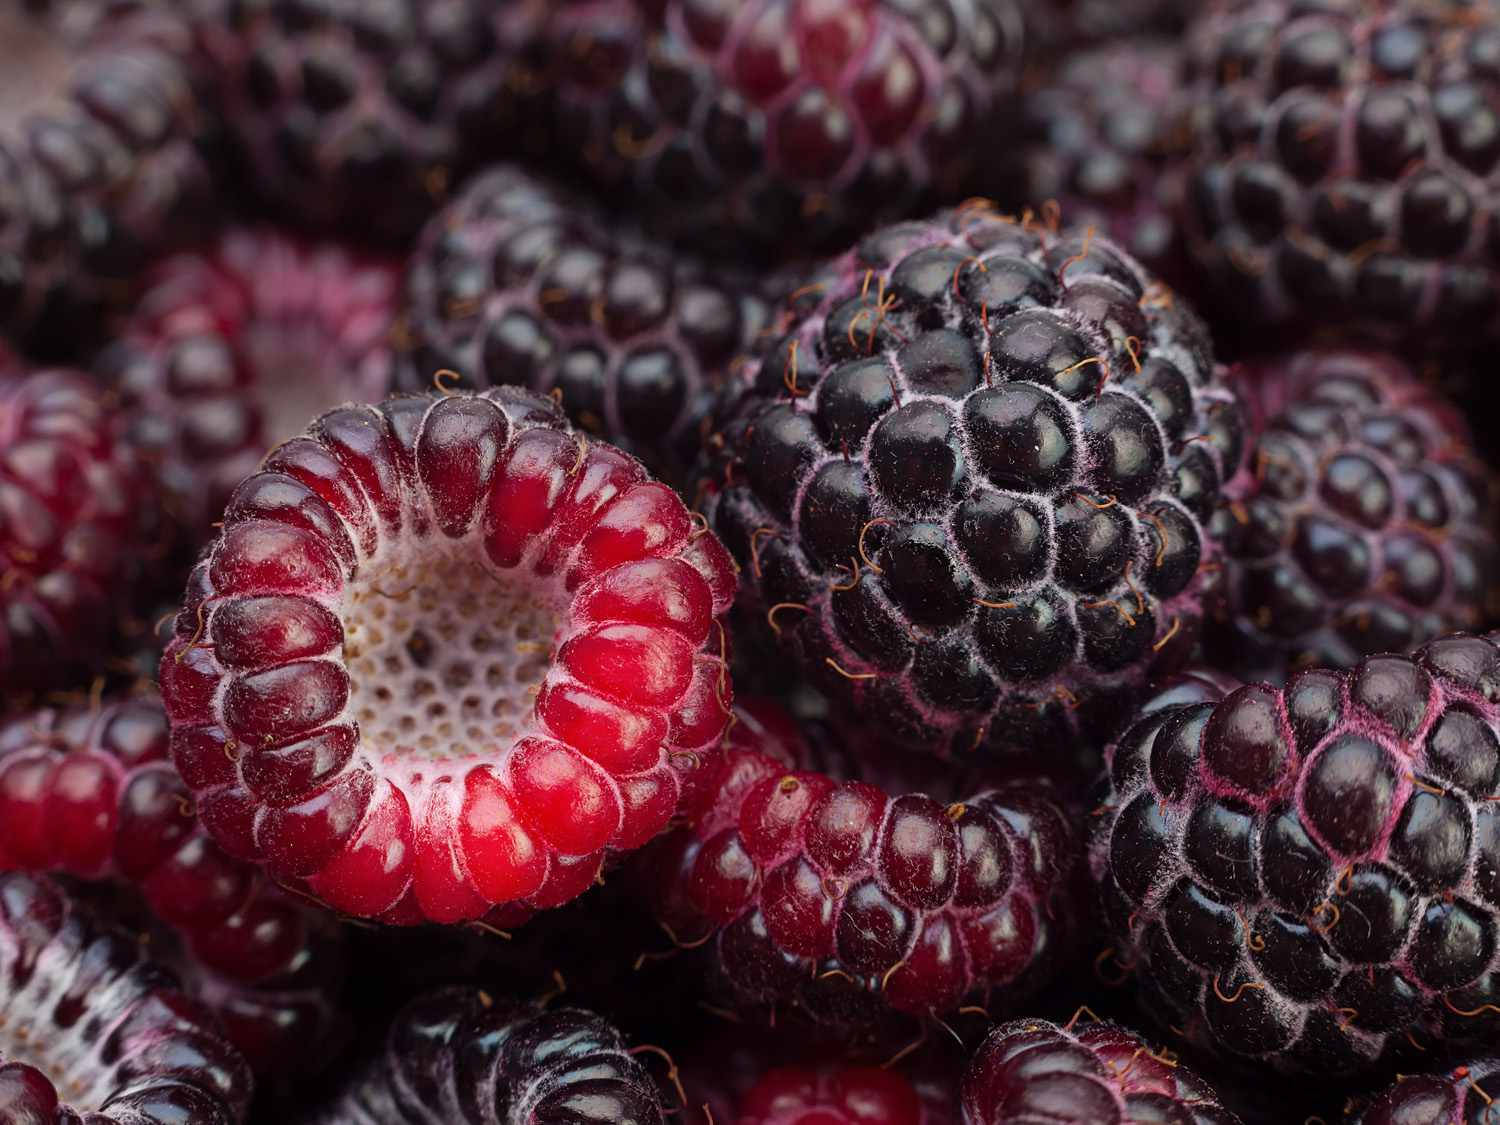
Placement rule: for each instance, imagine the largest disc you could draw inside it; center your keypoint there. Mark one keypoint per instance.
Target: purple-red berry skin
(520, 282)
(1463, 1095)
(79, 525)
(968, 479)
(1308, 878)
(857, 906)
(465, 1058)
(781, 126)
(1363, 520)
(1031, 1070)
(96, 1033)
(1343, 167)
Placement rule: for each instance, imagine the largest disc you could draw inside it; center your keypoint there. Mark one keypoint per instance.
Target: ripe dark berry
(231, 348)
(1101, 1074)
(803, 1095)
(780, 125)
(967, 483)
(91, 1030)
(1344, 155)
(360, 117)
(1307, 877)
(78, 525)
(1104, 143)
(850, 903)
(444, 655)
(1461, 1095)
(518, 282)
(99, 167)
(463, 1058)
(91, 793)
(1362, 523)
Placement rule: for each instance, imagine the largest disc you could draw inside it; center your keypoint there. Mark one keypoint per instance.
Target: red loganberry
(92, 793)
(851, 903)
(796, 1095)
(231, 348)
(445, 655)
(77, 523)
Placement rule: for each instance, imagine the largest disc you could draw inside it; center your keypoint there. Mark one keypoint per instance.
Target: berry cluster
(1066, 418)
(1307, 877)
(99, 159)
(847, 902)
(78, 523)
(970, 479)
(518, 283)
(91, 793)
(93, 1031)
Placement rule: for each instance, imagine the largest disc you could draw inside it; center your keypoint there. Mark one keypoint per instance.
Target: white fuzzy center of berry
(33, 68)
(31, 1033)
(444, 655)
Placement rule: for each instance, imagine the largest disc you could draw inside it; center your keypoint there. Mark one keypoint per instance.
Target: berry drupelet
(231, 348)
(79, 524)
(967, 482)
(1462, 1095)
(94, 1034)
(1363, 521)
(1344, 165)
(463, 1058)
(1308, 878)
(444, 655)
(849, 903)
(781, 125)
(90, 792)
(357, 117)
(99, 164)
(518, 282)
(1103, 143)
(1030, 1070)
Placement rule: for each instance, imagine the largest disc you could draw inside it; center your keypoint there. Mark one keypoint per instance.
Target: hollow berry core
(445, 656)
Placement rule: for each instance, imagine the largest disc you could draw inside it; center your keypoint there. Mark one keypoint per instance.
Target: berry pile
(424, 423)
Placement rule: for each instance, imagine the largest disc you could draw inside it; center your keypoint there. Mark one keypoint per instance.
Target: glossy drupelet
(1104, 143)
(851, 904)
(1030, 1070)
(464, 1058)
(232, 347)
(90, 792)
(781, 125)
(360, 117)
(1345, 162)
(445, 655)
(1462, 1095)
(517, 281)
(79, 525)
(99, 160)
(93, 1033)
(1363, 521)
(1308, 878)
(968, 481)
